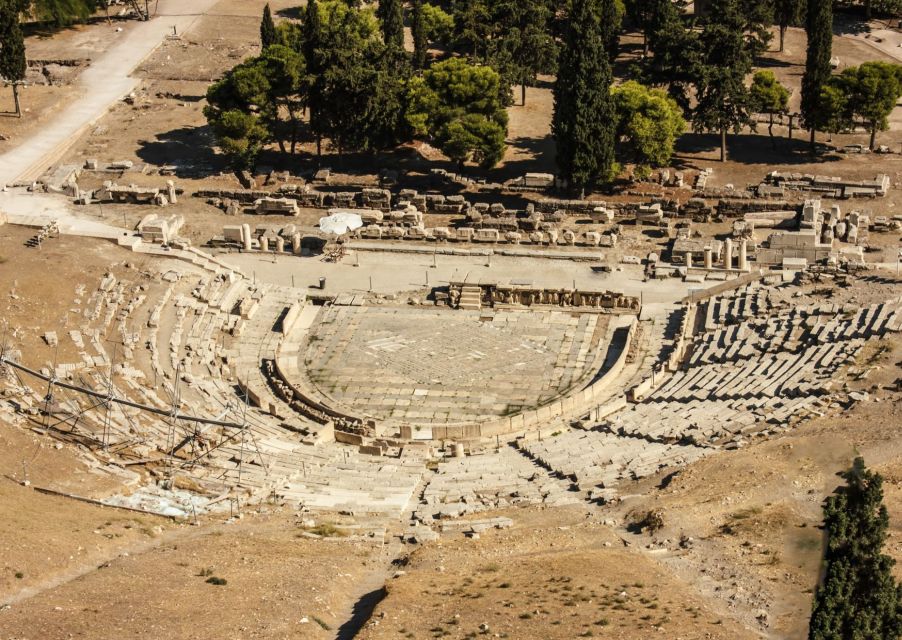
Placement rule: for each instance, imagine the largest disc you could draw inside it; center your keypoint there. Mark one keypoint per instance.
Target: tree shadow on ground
(362, 612)
(849, 23)
(49, 30)
(540, 83)
(753, 148)
(769, 62)
(540, 152)
(405, 159)
(292, 13)
(188, 149)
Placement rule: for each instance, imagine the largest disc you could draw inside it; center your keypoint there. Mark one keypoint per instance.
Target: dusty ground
(741, 537)
(276, 585)
(78, 570)
(40, 100)
(557, 574)
(57, 270)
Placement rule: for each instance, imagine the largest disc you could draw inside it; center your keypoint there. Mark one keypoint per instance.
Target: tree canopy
(12, 48)
(525, 46)
(648, 124)
(675, 50)
(391, 19)
(583, 120)
(457, 105)
(437, 23)
(235, 112)
(859, 597)
(819, 28)
(725, 60)
(267, 28)
(418, 32)
(870, 93)
(767, 95)
(334, 64)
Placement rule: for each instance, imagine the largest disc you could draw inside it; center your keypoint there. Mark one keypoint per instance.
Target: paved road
(106, 81)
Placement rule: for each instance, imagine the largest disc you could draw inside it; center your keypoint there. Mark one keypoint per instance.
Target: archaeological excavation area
(397, 396)
(605, 380)
(336, 388)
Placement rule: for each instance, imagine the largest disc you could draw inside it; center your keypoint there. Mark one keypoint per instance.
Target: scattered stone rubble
(827, 186)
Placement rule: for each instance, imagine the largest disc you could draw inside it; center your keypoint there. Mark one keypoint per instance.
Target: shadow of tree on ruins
(363, 611)
(190, 150)
(752, 148)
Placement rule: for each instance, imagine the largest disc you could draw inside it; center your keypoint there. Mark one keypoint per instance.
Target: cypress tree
(418, 31)
(310, 47)
(859, 597)
(583, 118)
(819, 28)
(12, 48)
(611, 24)
(391, 18)
(267, 28)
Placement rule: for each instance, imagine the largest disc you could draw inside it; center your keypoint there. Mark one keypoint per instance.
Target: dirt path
(107, 80)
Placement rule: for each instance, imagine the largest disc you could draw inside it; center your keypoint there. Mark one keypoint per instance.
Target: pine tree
(267, 28)
(726, 59)
(472, 27)
(418, 31)
(12, 48)
(768, 96)
(859, 597)
(391, 18)
(675, 49)
(870, 93)
(583, 118)
(819, 27)
(786, 14)
(524, 47)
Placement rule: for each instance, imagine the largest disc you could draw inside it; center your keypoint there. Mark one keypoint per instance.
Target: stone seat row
(596, 459)
(712, 422)
(747, 302)
(794, 330)
(493, 480)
